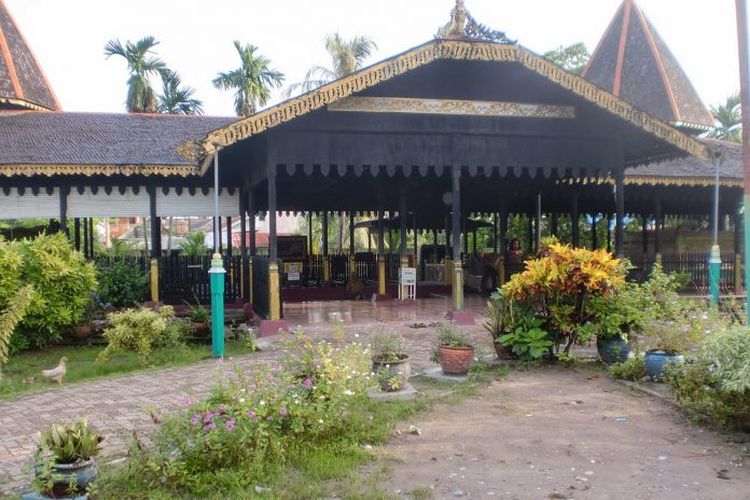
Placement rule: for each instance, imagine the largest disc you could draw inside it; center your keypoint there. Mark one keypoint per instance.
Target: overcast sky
(196, 36)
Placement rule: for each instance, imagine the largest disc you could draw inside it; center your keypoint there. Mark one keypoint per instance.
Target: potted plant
(454, 351)
(390, 363)
(64, 464)
(94, 311)
(499, 322)
(200, 319)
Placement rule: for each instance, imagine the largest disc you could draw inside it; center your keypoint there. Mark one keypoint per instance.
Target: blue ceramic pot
(657, 360)
(613, 350)
(83, 471)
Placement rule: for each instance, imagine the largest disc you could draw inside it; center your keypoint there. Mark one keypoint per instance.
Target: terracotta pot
(82, 331)
(504, 351)
(398, 372)
(455, 360)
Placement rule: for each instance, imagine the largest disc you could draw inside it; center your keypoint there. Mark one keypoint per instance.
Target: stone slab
(407, 392)
(437, 374)
(381, 297)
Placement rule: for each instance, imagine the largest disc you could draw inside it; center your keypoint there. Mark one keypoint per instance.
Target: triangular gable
(634, 63)
(22, 81)
(449, 50)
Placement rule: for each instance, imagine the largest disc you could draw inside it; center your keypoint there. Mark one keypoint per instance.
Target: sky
(68, 37)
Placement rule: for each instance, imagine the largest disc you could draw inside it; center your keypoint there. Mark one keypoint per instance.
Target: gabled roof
(22, 81)
(446, 49)
(633, 62)
(50, 143)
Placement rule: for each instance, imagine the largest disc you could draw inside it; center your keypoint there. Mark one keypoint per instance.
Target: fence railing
(185, 278)
(695, 267)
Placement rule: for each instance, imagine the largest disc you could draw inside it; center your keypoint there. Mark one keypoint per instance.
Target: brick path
(116, 406)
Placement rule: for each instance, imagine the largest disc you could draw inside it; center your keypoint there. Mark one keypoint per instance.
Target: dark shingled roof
(691, 170)
(633, 62)
(75, 139)
(22, 81)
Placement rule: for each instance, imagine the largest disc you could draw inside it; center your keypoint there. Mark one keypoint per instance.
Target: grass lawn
(17, 373)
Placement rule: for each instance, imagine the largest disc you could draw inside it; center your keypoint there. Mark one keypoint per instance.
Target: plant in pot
(64, 462)
(200, 319)
(390, 363)
(454, 351)
(499, 322)
(94, 311)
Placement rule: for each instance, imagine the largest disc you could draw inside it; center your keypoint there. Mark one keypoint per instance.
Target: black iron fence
(694, 267)
(185, 278)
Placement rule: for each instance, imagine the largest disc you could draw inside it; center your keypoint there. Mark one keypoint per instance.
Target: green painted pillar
(217, 273)
(714, 273)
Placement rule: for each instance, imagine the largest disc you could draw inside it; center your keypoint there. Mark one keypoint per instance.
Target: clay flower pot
(455, 360)
(82, 331)
(393, 374)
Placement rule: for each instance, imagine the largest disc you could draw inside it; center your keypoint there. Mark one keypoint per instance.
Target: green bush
(138, 330)
(121, 283)
(630, 369)
(255, 421)
(715, 388)
(62, 281)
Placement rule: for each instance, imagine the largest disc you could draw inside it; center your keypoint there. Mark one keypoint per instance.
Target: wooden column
(274, 281)
(64, 210)
(458, 273)
(474, 242)
(658, 221)
(155, 244)
(326, 262)
(309, 234)
(86, 238)
(530, 234)
(538, 224)
(503, 228)
(574, 220)
(494, 234)
(244, 287)
(594, 239)
(77, 233)
(620, 210)
(553, 224)
(352, 247)
(229, 237)
(381, 255)
(252, 248)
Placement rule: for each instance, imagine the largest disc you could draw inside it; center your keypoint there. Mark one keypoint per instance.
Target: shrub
(138, 330)
(388, 346)
(62, 282)
(255, 421)
(716, 387)
(559, 285)
(194, 244)
(9, 318)
(121, 283)
(630, 369)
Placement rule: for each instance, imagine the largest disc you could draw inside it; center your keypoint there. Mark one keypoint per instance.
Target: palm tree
(142, 63)
(176, 100)
(729, 119)
(252, 81)
(346, 58)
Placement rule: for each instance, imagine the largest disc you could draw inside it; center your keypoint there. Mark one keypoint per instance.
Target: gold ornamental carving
(451, 107)
(50, 170)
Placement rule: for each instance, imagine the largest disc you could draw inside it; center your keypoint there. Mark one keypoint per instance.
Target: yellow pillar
(738, 274)
(326, 269)
(404, 264)
(154, 280)
(274, 302)
(657, 258)
(458, 286)
(352, 265)
(448, 274)
(381, 275)
(500, 271)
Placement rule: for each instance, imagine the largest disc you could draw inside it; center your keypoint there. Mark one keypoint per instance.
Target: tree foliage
(252, 81)
(573, 58)
(142, 63)
(728, 118)
(176, 99)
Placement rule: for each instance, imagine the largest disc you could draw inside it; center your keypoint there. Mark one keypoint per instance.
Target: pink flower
(208, 417)
(283, 411)
(308, 383)
(230, 424)
(251, 414)
(209, 427)
(196, 418)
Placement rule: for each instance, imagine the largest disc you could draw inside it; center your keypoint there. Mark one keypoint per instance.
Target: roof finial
(458, 19)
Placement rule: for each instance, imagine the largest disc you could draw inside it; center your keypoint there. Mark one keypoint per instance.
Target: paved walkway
(116, 406)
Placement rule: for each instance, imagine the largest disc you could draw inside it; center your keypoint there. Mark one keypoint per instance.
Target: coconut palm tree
(176, 100)
(347, 56)
(729, 119)
(142, 63)
(252, 81)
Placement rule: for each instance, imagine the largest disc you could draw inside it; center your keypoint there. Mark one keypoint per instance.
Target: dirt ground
(561, 433)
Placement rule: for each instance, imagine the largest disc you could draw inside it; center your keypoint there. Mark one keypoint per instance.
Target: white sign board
(407, 276)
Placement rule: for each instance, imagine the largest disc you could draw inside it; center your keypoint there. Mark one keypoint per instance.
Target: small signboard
(407, 276)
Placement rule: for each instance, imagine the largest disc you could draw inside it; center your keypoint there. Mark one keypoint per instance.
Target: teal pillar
(217, 273)
(714, 273)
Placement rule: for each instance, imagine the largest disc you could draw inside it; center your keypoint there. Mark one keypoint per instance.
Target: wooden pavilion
(470, 122)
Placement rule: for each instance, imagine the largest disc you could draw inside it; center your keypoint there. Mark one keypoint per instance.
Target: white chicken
(57, 373)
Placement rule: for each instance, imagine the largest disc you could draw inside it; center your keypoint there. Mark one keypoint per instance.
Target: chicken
(57, 373)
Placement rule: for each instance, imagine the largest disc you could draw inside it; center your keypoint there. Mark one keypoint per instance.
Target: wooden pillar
(309, 234)
(538, 224)
(220, 231)
(91, 237)
(252, 246)
(64, 210)
(620, 210)
(594, 239)
(244, 288)
(274, 282)
(77, 233)
(575, 217)
(352, 246)
(658, 221)
(466, 238)
(434, 246)
(326, 263)
(381, 255)
(609, 233)
(86, 238)
(229, 237)
(553, 224)
(530, 234)
(474, 242)
(503, 228)
(447, 260)
(458, 273)
(402, 220)
(155, 243)
(494, 234)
